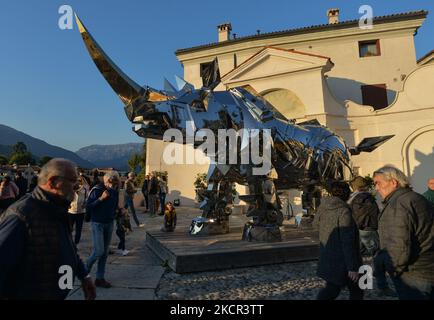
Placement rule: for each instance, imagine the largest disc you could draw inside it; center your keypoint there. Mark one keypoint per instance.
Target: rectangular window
(375, 95)
(204, 66)
(369, 48)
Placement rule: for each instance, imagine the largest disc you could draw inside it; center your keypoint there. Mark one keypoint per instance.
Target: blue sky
(50, 88)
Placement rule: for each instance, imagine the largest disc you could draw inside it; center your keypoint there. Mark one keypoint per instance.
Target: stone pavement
(143, 276)
(133, 277)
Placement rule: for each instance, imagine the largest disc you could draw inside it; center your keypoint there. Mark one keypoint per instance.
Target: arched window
(286, 102)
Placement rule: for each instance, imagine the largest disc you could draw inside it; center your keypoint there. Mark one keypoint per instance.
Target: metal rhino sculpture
(304, 156)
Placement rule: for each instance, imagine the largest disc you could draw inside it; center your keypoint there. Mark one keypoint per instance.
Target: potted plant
(200, 185)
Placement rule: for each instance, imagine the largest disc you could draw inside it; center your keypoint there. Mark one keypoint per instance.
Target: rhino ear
(127, 90)
(183, 85)
(168, 87)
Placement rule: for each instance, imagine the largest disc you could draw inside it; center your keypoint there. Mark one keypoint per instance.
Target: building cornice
(410, 21)
(426, 58)
(316, 61)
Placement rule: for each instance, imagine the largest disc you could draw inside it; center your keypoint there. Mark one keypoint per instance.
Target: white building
(358, 82)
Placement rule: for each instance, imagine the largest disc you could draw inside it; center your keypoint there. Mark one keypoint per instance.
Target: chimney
(224, 31)
(333, 15)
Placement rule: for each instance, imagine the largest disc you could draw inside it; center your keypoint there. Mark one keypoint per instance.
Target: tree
(141, 176)
(200, 185)
(3, 160)
(44, 160)
(22, 158)
(134, 162)
(19, 147)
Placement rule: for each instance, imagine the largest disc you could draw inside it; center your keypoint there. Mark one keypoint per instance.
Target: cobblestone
(288, 281)
(271, 282)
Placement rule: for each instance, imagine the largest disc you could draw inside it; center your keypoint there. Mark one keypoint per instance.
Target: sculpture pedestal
(185, 253)
(261, 233)
(305, 222)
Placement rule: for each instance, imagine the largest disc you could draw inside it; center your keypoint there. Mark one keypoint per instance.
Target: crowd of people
(13, 187)
(398, 234)
(37, 240)
(50, 212)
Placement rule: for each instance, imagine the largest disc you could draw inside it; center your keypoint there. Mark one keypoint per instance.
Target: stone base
(206, 226)
(239, 209)
(261, 233)
(184, 253)
(305, 222)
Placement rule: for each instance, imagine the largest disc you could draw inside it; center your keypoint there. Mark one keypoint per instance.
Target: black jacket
(153, 186)
(145, 187)
(365, 211)
(22, 186)
(339, 241)
(102, 211)
(35, 241)
(406, 232)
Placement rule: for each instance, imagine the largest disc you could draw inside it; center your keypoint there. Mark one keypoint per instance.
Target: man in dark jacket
(95, 178)
(130, 190)
(102, 204)
(36, 248)
(145, 191)
(406, 232)
(21, 184)
(365, 213)
(340, 258)
(152, 192)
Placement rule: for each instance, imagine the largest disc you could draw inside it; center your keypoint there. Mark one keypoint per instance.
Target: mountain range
(115, 156)
(39, 148)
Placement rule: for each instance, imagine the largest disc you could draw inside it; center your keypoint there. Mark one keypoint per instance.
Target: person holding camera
(101, 207)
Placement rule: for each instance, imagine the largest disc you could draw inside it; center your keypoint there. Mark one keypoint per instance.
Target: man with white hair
(130, 190)
(102, 204)
(37, 252)
(406, 231)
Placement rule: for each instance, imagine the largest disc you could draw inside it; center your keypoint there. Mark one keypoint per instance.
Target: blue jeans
(152, 203)
(409, 288)
(162, 202)
(129, 204)
(121, 234)
(101, 236)
(76, 219)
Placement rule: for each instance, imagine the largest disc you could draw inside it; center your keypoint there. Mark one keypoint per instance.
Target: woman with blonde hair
(77, 209)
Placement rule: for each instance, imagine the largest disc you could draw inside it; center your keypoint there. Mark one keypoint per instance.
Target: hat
(359, 183)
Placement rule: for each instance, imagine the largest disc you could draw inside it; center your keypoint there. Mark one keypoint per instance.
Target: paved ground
(142, 275)
(135, 276)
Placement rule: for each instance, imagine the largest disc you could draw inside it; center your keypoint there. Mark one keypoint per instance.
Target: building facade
(358, 82)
